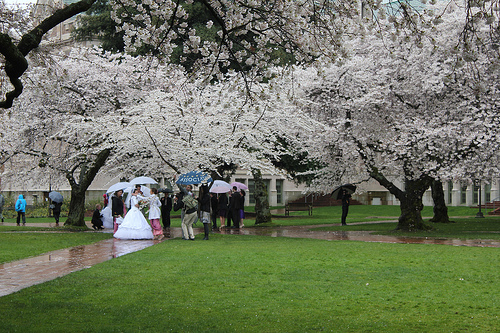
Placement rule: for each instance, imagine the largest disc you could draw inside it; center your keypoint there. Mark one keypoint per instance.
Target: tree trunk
(411, 205)
(262, 211)
(440, 209)
(410, 200)
(76, 214)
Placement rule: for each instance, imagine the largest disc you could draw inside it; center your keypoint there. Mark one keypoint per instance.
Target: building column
(455, 194)
(272, 192)
(495, 189)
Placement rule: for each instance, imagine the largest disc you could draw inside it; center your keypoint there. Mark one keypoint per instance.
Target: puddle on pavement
(364, 236)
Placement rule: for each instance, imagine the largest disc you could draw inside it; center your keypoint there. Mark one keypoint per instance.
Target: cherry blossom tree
(107, 113)
(67, 123)
(410, 114)
(248, 31)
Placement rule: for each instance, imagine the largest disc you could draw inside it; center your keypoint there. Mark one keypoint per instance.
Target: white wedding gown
(134, 225)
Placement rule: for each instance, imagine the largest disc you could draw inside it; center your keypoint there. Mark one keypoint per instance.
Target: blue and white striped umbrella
(194, 177)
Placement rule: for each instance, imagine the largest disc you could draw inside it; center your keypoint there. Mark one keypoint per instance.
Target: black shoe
(18, 225)
(191, 238)
(205, 238)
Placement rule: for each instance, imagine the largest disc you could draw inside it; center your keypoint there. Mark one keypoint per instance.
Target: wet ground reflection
(363, 236)
(20, 274)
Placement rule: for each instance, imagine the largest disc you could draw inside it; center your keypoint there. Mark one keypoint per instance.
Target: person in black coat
(346, 201)
(117, 208)
(96, 218)
(223, 202)
(166, 208)
(205, 204)
(57, 211)
(214, 205)
(235, 207)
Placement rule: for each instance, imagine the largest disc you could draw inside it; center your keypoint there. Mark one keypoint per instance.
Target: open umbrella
(194, 177)
(337, 193)
(143, 180)
(220, 186)
(118, 186)
(56, 197)
(239, 185)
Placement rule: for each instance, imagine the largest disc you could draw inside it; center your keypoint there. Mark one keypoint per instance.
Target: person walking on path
(21, 209)
(57, 211)
(204, 202)
(155, 213)
(2, 203)
(346, 201)
(117, 208)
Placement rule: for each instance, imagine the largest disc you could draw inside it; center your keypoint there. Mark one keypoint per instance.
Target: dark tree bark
(15, 55)
(262, 211)
(76, 214)
(440, 210)
(410, 200)
(411, 205)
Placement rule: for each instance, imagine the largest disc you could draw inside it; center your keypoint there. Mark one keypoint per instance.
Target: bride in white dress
(134, 225)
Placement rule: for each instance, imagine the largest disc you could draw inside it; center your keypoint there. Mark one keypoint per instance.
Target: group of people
(131, 223)
(207, 207)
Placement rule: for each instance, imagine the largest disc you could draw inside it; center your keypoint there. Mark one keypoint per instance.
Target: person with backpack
(189, 205)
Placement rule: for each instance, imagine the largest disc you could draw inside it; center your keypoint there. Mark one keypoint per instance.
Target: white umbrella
(239, 185)
(220, 186)
(143, 180)
(118, 186)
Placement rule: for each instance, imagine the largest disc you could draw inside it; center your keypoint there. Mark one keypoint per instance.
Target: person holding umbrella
(346, 201)
(56, 210)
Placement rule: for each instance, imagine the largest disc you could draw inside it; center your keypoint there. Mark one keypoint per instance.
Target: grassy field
(259, 284)
(235, 283)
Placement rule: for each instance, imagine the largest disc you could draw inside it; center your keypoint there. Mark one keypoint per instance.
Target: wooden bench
(298, 206)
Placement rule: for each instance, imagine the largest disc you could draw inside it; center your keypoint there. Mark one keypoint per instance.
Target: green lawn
(261, 284)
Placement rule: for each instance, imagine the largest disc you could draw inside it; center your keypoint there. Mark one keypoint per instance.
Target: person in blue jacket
(21, 209)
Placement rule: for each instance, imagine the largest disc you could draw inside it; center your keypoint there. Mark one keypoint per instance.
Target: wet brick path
(21, 274)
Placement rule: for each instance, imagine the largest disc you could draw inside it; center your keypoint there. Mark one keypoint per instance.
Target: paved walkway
(17, 275)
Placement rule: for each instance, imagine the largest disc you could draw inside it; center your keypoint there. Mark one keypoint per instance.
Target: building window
(251, 190)
(475, 194)
(450, 192)
(487, 192)
(279, 191)
(463, 194)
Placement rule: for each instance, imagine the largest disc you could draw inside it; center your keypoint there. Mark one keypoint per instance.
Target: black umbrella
(165, 190)
(337, 193)
(56, 196)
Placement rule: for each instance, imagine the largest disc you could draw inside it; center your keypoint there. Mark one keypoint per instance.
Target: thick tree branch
(15, 56)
